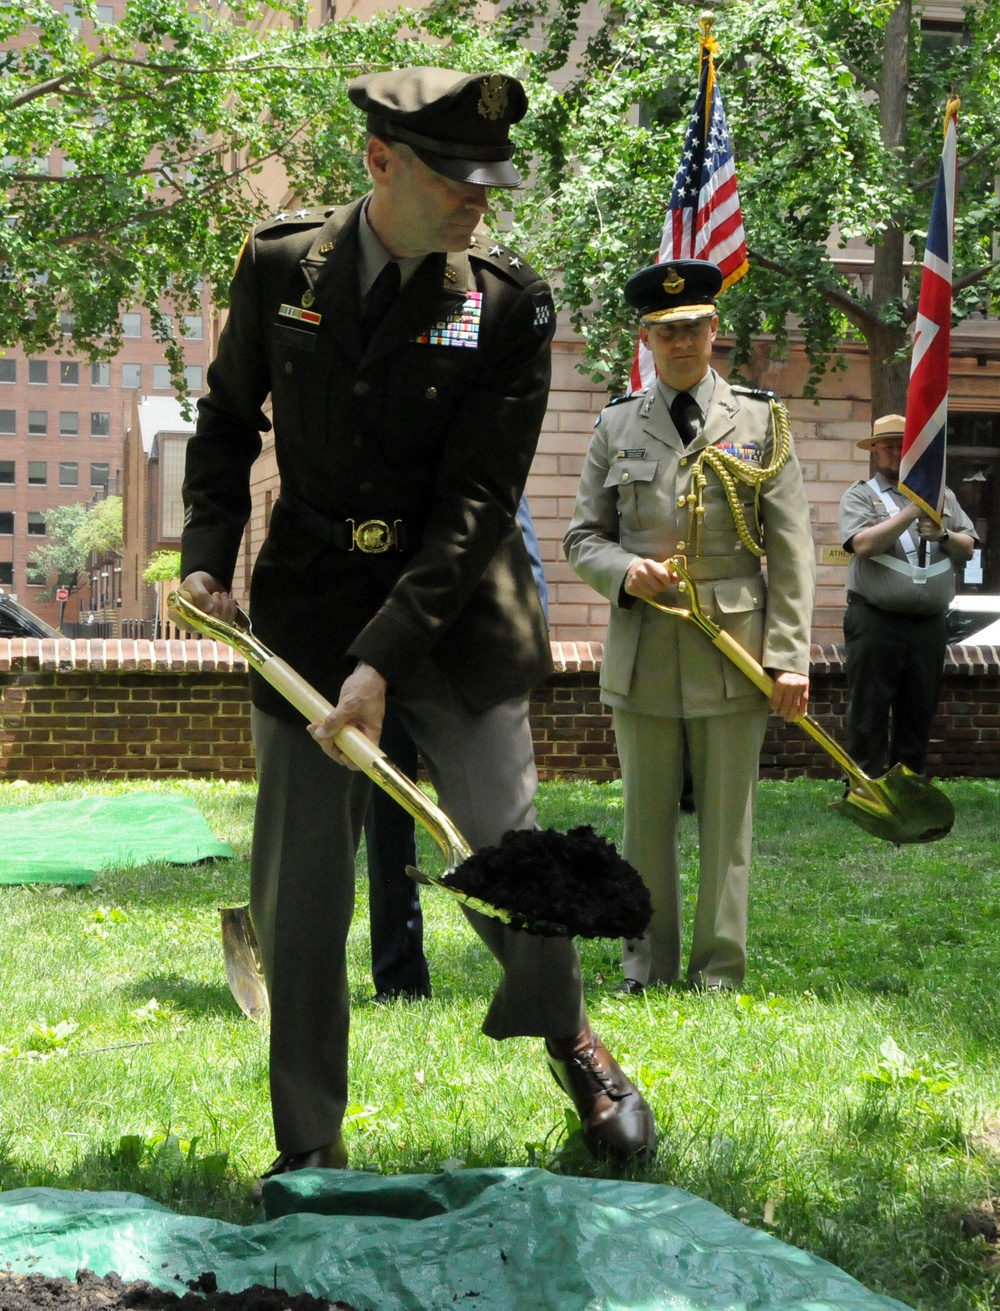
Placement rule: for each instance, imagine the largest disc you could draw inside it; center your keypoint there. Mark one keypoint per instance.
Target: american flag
(922, 468)
(703, 220)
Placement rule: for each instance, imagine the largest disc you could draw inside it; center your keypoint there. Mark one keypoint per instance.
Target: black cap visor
(479, 172)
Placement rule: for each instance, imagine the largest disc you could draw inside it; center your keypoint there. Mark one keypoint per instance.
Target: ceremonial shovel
(601, 896)
(899, 807)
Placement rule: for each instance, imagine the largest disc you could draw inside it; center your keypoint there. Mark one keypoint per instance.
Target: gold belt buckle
(374, 536)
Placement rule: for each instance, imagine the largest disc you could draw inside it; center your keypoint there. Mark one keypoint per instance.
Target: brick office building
(63, 420)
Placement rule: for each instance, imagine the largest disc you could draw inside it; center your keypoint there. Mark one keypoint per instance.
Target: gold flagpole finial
(951, 109)
(705, 20)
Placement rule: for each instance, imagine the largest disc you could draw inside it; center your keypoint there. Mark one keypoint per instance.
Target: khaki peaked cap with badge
(402, 460)
(456, 123)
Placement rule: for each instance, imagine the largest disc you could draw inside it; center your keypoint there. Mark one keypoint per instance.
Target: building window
(36, 523)
(66, 324)
(7, 472)
(192, 375)
(38, 372)
(38, 423)
(100, 374)
(69, 373)
(105, 13)
(73, 18)
(69, 473)
(6, 523)
(38, 473)
(100, 423)
(131, 325)
(8, 423)
(35, 574)
(161, 377)
(99, 475)
(194, 327)
(69, 423)
(6, 573)
(8, 370)
(131, 375)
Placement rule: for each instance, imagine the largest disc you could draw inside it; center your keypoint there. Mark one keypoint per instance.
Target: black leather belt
(370, 536)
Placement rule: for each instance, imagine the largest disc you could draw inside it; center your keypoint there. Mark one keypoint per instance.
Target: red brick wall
(117, 709)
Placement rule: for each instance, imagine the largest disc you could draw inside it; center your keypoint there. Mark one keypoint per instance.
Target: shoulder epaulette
(291, 219)
(483, 247)
(758, 393)
(627, 396)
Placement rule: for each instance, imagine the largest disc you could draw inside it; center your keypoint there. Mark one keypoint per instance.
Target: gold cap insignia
(493, 97)
(327, 246)
(673, 283)
(307, 299)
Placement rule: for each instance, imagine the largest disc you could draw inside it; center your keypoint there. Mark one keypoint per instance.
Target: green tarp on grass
(71, 841)
(482, 1240)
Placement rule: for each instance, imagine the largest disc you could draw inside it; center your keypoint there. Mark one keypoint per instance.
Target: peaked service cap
(677, 291)
(457, 123)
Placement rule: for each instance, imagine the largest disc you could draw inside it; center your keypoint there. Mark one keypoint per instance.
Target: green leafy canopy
(177, 119)
(134, 160)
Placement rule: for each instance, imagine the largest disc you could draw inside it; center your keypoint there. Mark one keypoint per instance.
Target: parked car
(974, 620)
(15, 621)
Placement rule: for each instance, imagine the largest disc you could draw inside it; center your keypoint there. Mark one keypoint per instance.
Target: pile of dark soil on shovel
(571, 884)
(89, 1292)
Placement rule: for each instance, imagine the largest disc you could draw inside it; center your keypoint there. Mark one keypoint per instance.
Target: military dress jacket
(430, 428)
(633, 502)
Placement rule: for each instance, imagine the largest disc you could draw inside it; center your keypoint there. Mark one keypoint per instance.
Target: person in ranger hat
(894, 625)
(695, 467)
(407, 355)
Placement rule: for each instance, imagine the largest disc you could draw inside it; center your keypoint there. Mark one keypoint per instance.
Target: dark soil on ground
(89, 1292)
(554, 884)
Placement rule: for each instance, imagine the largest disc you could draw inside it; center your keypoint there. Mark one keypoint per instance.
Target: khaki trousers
(725, 751)
(308, 823)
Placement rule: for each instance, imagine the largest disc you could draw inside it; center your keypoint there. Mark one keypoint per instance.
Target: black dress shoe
(331, 1157)
(614, 1117)
(630, 987)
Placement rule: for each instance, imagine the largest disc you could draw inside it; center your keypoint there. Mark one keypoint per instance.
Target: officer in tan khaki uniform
(694, 467)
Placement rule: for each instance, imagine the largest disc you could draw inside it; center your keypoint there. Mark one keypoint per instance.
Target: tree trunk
(889, 379)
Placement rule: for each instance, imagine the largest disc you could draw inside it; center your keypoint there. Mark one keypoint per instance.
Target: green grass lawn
(848, 1101)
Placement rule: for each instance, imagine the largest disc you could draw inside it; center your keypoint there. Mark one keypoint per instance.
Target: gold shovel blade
(909, 808)
(243, 965)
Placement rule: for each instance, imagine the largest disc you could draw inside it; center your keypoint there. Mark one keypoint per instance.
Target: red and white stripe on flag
(704, 219)
(922, 467)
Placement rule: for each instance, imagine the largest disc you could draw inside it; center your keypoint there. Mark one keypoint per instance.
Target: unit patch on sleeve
(460, 328)
(545, 312)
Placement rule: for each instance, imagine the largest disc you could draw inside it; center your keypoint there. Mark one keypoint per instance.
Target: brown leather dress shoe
(333, 1156)
(614, 1117)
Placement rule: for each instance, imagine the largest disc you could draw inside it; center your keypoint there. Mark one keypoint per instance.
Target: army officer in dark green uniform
(406, 353)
